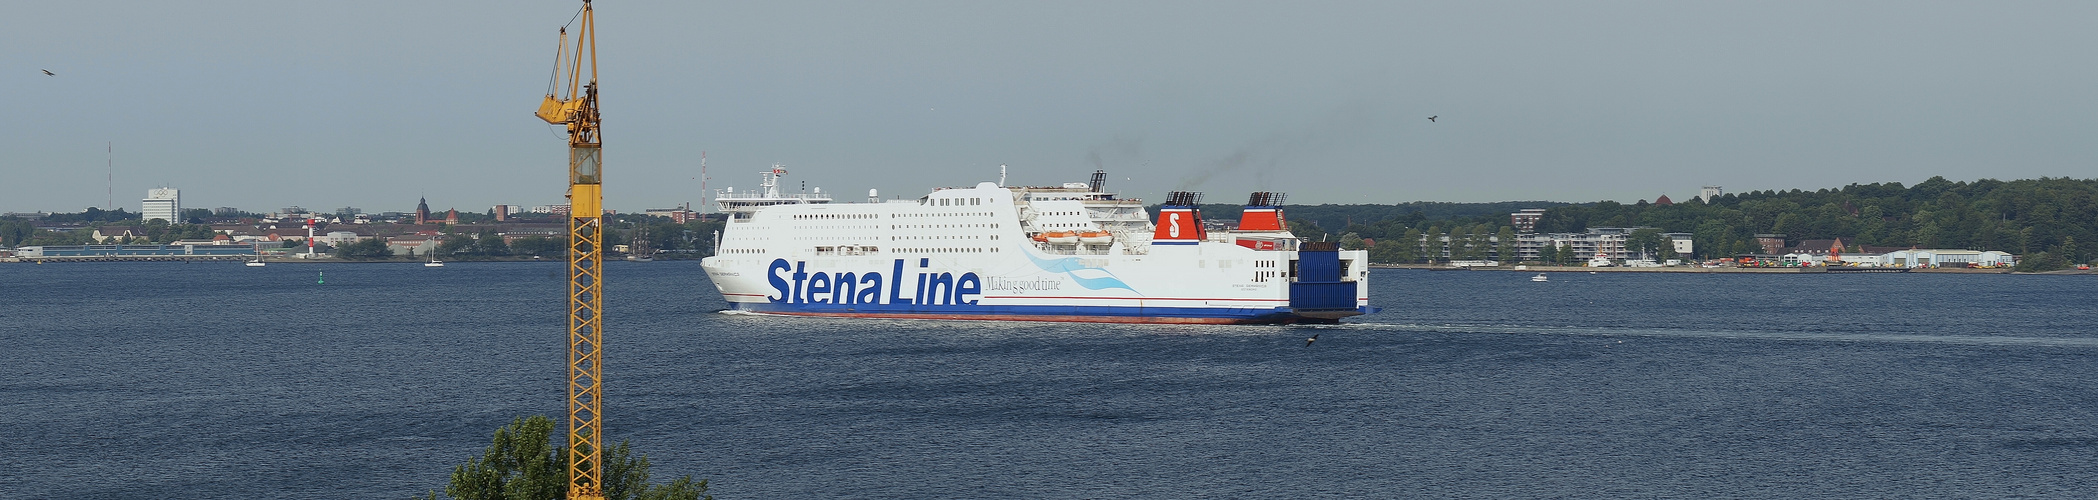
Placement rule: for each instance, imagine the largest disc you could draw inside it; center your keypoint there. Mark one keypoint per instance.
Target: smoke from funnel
(1345, 126)
(1118, 148)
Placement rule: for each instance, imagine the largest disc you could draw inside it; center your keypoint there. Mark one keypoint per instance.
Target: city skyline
(296, 104)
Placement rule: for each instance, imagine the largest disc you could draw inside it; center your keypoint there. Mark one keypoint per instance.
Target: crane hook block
(557, 111)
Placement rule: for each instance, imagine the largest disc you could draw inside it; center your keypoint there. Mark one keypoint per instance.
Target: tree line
(2039, 219)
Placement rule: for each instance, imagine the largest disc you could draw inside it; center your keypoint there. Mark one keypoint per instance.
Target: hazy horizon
(262, 105)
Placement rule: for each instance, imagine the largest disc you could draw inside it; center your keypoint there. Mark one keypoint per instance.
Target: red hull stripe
(1055, 319)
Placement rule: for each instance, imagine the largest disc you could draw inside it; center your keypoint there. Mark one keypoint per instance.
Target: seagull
(1432, 118)
(1314, 338)
(48, 72)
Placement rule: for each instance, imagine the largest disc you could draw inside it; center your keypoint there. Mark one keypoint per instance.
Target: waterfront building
(1605, 240)
(417, 244)
(1525, 220)
(1859, 259)
(1772, 244)
(1948, 258)
(1708, 193)
(164, 203)
(1818, 249)
(120, 234)
(341, 237)
(1681, 242)
(678, 215)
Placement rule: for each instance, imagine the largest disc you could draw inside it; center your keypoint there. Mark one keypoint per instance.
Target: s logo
(1173, 224)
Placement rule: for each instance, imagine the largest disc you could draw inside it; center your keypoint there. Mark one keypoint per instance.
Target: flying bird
(48, 72)
(1314, 338)
(1432, 118)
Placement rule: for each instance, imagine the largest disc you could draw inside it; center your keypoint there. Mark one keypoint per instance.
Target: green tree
(489, 243)
(365, 249)
(523, 464)
(1410, 247)
(2040, 262)
(14, 231)
(1712, 239)
(1307, 230)
(1351, 241)
(455, 245)
(1644, 241)
(539, 246)
(1506, 252)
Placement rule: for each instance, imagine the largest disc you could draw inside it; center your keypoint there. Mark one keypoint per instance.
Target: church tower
(422, 211)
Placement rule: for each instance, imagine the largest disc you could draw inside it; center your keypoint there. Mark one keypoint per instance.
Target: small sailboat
(1539, 277)
(433, 261)
(258, 258)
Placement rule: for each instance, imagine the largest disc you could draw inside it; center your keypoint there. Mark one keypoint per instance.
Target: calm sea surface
(149, 380)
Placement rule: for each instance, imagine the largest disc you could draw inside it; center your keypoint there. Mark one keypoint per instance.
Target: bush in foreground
(523, 464)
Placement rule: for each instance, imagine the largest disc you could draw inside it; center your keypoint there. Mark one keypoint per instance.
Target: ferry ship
(1074, 252)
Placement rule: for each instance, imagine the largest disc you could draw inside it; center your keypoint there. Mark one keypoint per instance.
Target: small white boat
(253, 263)
(1539, 277)
(433, 261)
(256, 263)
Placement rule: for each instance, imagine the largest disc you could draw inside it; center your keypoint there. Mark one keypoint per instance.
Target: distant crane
(586, 237)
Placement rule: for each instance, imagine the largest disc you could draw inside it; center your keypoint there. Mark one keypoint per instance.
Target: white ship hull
(974, 253)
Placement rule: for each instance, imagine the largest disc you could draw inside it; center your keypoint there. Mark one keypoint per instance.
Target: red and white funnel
(1263, 213)
(1179, 220)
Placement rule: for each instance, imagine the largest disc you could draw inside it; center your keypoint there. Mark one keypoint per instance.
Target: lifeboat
(1041, 237)
(1062, 237)
(1095, 238)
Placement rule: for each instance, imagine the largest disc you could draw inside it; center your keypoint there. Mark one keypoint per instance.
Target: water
(150, 380)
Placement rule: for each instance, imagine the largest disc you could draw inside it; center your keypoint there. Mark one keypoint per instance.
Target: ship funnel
(1263, 213)
(1180, 220)
(1099, 181)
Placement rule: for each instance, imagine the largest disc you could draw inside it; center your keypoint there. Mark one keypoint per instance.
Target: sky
(261, 105)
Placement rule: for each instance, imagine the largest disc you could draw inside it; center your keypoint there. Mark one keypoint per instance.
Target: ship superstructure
(1074, 252)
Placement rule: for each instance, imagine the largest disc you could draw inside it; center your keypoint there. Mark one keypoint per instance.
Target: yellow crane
(573, 102)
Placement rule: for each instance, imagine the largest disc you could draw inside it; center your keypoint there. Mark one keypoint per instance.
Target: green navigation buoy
(324, 278)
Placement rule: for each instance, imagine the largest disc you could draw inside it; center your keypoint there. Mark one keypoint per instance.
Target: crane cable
(560, 49)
